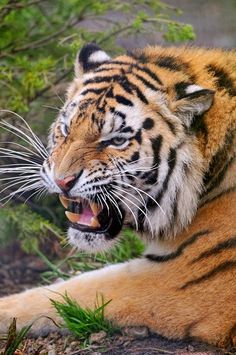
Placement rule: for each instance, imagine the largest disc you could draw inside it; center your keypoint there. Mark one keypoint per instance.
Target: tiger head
(122, 149)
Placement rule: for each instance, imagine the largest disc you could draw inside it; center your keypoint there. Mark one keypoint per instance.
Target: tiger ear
(89, 57)
(192, 100)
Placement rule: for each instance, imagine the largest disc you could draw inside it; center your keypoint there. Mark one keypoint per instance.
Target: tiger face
(122, 150)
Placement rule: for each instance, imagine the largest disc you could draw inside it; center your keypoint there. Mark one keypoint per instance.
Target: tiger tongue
(87, 217)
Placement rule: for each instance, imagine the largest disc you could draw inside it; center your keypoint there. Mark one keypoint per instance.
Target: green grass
(129, 247)
(14, 339)
(83, 322)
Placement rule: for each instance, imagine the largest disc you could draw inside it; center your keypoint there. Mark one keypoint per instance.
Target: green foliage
(39, 40)
(20, 223)
(14, 339)
(176, 32)
(83, 322)
(129, 247)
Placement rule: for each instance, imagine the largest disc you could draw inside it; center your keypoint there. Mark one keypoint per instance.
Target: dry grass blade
(15, 339)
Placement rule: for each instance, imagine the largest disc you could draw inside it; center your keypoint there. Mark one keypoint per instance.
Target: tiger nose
(67, 183)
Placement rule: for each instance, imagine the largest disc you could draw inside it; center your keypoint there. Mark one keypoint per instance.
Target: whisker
(130, 194)
(135, 219)
(10, 155)
(21, 189)
(139, 208)
(29, 128)
(38, 191)
(52, 107)
(114, 202)
(59, 97)
(19, 182)
(105, 202)
(33, 152)
(20, 177)
(12, 129)
(142, 191)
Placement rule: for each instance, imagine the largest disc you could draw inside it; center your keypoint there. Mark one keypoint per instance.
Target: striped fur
(152, 133)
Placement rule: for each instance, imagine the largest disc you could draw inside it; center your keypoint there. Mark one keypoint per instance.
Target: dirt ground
(19, 271)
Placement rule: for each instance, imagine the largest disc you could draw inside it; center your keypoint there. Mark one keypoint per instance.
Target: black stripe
(180, 249)
(225, 266)
(129, 87)
(120, 114)
(198, 125)
(104, 68)
(138, 136)
(171, 164)
(135, 156)
(103, 79)
(151, 177)
(94, 91)
(125, 84)
(215, 182)
(151, 74)
(141, 68)
(171, 126)
(156, 147)
(126, 129)
(119, 62)
(147, 83)
(227, 244)
(110, 93)
(140, 95)
(122, 100)
(216, 171)
(175, 208)
(223, 80)
(172, 63)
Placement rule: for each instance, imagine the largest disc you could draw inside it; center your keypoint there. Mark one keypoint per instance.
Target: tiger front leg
(124, 284)
(141, 293)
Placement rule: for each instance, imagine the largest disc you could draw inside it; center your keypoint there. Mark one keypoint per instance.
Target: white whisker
(33, 152)
(139, 208)
(29, 129)
(141, 191)
(114, 202)
(135, 219)
(10, 128)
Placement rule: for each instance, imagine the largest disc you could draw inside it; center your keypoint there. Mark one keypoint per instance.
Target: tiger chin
(147, 140)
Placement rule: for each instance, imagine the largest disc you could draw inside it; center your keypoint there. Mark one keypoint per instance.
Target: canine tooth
(95, 208)
(64, 201)
(73, 217)
(94, 223)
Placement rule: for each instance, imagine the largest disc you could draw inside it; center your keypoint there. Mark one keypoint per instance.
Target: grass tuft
(15, 339)
(83, 322)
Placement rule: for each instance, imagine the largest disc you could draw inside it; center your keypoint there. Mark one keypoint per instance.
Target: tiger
(147, 140)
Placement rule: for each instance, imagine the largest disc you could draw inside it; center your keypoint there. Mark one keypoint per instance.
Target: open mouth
(89, 216)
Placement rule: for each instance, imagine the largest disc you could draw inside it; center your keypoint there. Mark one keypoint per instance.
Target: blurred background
(38, 43)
